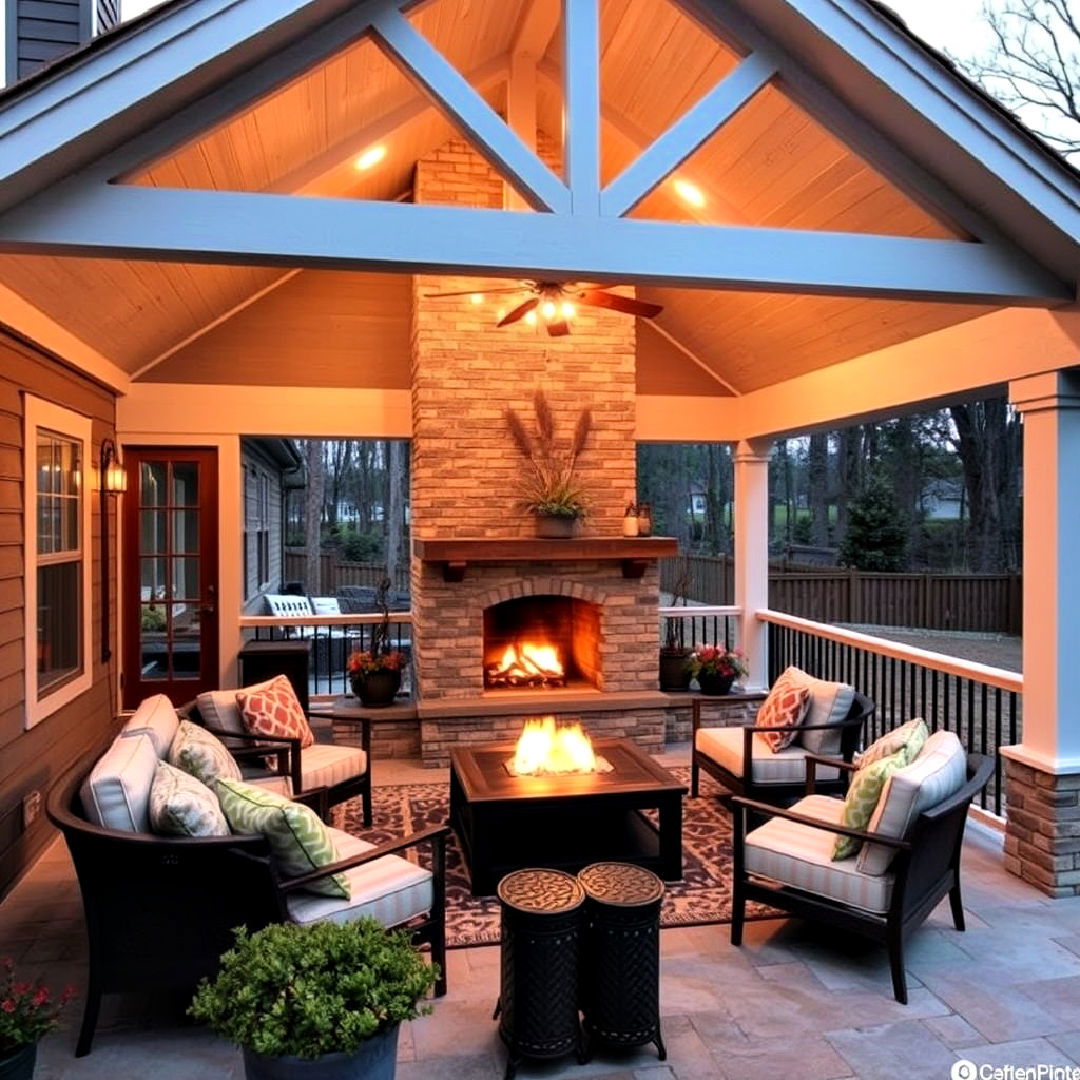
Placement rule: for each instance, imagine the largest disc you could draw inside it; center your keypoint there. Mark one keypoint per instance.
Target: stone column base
(1042, 833)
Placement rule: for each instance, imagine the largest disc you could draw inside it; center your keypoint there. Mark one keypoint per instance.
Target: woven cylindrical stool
(620, 964)
(541, 932)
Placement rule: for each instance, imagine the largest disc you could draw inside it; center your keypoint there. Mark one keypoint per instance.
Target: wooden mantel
(634, 553)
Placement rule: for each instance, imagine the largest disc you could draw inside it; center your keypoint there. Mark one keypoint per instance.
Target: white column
(752, 553)
(1050, 405)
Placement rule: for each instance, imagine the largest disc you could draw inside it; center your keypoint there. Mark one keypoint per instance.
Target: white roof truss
(59, 128)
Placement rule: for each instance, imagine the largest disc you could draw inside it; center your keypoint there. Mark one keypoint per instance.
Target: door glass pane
(152, 534)
(153, 580)
(69, 510)
(186, 531)
(153, 642)
(152, 484)
(185, 484)
(186, 647)
(185, 579)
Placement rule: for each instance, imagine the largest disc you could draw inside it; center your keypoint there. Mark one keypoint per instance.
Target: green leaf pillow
(298, 839)
(862, 799)
(909, 738)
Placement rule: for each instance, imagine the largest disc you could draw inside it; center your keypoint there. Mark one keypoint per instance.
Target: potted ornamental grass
(28, 1011)
(552, 493)
(318, 1002)
(716, 667)
(375, 673)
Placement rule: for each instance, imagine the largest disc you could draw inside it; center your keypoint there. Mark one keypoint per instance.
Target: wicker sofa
(160, 910)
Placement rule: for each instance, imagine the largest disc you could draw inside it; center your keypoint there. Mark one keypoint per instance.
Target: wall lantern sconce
(112, 480)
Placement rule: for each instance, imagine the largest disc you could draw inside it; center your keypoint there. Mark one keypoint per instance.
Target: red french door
(169, 597)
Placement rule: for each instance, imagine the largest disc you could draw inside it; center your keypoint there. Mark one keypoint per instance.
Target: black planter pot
(674, 672)
(19, 1065)
(376, 689)
(375, 1060)
(557, 528)
(715, 684)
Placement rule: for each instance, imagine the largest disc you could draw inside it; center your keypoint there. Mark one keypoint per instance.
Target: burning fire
(546, 748)
(527, 664)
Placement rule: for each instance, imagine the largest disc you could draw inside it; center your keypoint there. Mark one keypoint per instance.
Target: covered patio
(279, 219)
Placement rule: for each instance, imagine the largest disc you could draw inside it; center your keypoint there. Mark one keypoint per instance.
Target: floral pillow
(196, 751)
(784, 710)
(180, 805)
(273, 710)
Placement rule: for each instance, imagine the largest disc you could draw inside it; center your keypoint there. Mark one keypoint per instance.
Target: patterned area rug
(704, 896)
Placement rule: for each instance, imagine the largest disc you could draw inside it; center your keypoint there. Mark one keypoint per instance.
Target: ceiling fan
(555, 303)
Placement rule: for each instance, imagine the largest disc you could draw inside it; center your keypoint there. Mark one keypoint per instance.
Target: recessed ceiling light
(370, 157)
(690, 193)
(476, 298)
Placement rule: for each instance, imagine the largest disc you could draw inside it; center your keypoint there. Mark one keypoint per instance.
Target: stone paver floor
(794, 1003)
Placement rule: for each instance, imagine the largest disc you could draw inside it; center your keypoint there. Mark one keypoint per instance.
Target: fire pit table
(507, 822)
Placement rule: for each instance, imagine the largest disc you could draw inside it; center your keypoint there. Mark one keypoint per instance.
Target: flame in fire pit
(546, 748)
(527, 664)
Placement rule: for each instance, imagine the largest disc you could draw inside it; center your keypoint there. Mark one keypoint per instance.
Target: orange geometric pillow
(784, 710)
(275, 712)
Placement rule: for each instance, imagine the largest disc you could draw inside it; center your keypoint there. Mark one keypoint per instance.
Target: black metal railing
(332, 639)
(690, 627)
(981, 705)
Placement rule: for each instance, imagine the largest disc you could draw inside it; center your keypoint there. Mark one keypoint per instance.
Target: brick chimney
(37, 32)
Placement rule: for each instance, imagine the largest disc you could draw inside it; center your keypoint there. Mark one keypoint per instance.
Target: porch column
(752, 553)
(1042, 842)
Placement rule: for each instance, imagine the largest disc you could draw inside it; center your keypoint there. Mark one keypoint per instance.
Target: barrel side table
(541, 931)
(620, 964)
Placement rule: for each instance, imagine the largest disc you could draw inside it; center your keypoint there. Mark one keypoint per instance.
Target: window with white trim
(56, 475)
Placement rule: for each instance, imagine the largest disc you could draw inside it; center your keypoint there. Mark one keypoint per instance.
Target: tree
(818, 481)
(395, 516)
(877, 531)
(313, 510)
(1033, 66)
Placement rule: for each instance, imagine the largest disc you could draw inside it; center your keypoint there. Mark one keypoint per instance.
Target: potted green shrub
(717, 667)
(552, 493)
(317, 1002)
(27, 1012)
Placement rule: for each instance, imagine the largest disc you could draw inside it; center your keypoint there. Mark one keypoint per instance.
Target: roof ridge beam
(581, 72)
(669, 150)
(486, 130)
(224, 227)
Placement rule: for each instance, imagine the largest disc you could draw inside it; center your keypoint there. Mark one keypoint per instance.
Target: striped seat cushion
(325, 766)
(155, 718)
(801, 856)
(725, 747)
(391, 889)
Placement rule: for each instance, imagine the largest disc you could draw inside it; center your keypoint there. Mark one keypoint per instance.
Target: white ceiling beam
(686, 135)
(581, 124)
(225, 227)
(487, 131)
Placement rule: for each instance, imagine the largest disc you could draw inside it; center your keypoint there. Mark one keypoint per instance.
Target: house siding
(40, 31)
(31, 760)
(257, 465)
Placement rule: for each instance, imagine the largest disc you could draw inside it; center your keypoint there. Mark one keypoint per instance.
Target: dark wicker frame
(290, 761)
(862, 708)
(160, 911)
(926, 867)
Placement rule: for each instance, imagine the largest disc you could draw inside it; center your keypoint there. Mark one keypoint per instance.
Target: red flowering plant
(365, 662)
(27, 1010)
(721, 661)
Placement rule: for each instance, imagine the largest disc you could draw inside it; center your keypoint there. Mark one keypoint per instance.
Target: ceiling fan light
(370, 157)
(689, 193)
(530, 318)
(567, 309)
(549, 310)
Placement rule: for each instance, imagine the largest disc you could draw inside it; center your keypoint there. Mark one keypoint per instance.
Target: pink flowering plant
(27, 1010)
(365, 662)
(718, 660)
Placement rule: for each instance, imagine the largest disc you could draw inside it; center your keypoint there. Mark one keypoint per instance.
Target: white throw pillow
(218, 708)
(155, 717)
(939, 771)
(202, 754)
(830, 702)
(116, 793)
(180, 805)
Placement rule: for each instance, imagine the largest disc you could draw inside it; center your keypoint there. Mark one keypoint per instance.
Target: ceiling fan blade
(614, 302)
(473, 292)
(519, 312)
(558, 328)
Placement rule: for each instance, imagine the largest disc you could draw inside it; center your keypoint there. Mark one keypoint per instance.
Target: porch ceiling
(772, 165)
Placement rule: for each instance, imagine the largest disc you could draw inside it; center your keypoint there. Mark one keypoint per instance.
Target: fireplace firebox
(536, 642)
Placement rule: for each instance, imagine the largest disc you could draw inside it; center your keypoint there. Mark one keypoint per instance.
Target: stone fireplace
(481, 582)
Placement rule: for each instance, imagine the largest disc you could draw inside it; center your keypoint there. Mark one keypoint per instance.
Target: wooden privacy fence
(335, 572)
(987, 603)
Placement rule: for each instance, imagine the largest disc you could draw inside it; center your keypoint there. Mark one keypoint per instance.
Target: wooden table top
(484, 778)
